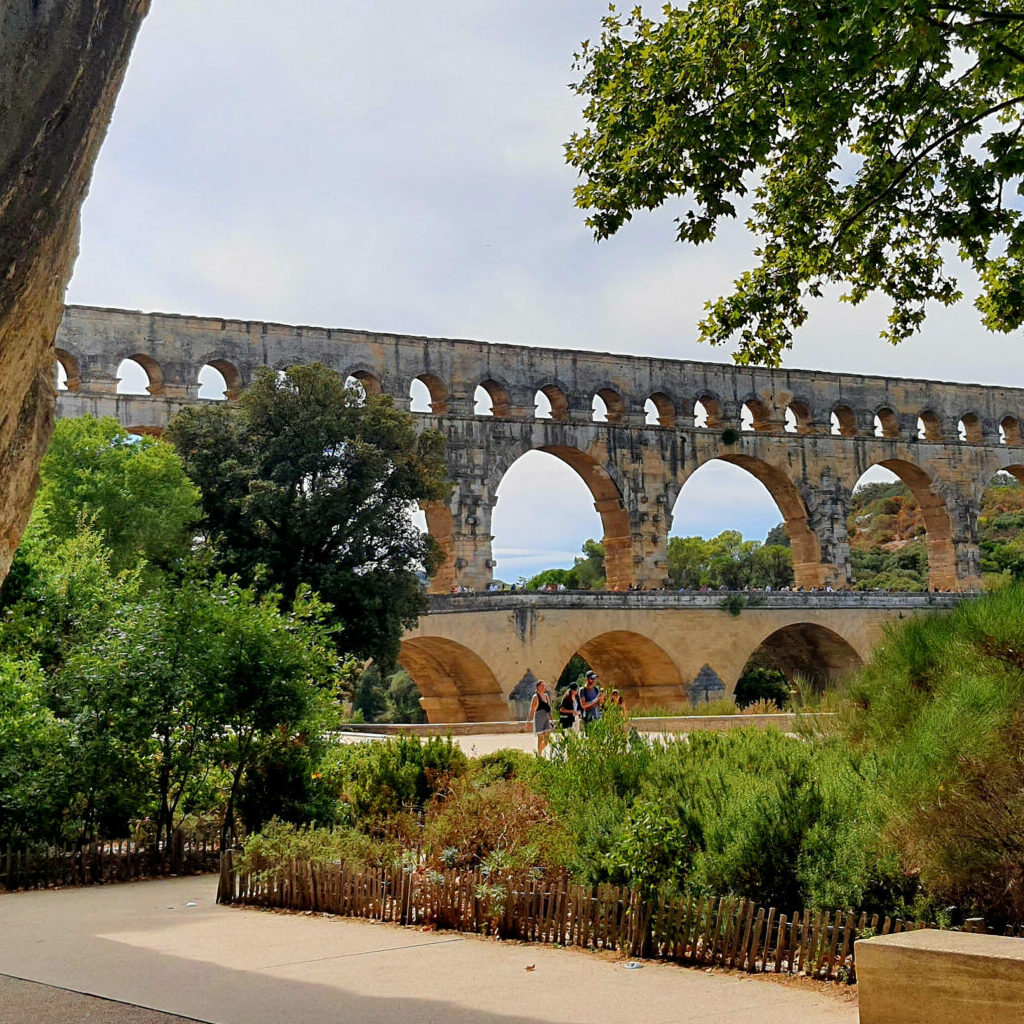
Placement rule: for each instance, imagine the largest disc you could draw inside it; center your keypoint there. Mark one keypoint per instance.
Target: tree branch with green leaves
(862, 141)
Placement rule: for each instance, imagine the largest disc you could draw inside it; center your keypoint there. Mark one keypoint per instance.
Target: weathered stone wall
(635, 470)
(61, 66)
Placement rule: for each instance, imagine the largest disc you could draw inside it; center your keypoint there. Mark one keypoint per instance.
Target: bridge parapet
(599, 600)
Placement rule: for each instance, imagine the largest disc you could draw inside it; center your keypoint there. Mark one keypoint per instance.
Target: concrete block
(938, 977)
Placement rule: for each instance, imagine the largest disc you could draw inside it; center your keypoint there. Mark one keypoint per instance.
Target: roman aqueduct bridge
(808, 437)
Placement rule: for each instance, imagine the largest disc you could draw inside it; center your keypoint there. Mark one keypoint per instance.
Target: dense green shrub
(374, 781)
(280, 841)
(505, 818)
(941, 706)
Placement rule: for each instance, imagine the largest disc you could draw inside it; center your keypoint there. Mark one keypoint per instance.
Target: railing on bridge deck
(655, 600)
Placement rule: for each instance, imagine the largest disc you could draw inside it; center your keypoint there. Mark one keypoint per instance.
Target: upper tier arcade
(807, 436)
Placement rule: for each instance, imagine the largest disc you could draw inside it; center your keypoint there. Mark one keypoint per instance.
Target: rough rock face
(61, 66)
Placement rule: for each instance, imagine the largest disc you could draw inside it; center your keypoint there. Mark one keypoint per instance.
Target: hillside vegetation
(888, 549)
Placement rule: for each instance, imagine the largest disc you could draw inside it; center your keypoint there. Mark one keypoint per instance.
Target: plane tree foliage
(864, 142)
(307, 482)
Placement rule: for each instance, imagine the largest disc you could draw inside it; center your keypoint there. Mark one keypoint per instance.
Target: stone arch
(232, 376)
(969, 428)
(799, 418)
(843, 421)
(808, 570)
(557, 398)
(708, 407)
(810, 650)
(1010, 427)
(760, 413)
(498, 397)
(1016, 471)
(615, 406)
(368, 381)
(887, 423)
(438, 392)
(455, 683)
(929, 426)
(938, 525)
(608, 502)
(664, 408)
(636, 666)
(72, 369)
(150, 367)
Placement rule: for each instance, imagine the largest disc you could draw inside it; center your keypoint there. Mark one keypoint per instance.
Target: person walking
(590, 699)
(540, 716)
(569, 709)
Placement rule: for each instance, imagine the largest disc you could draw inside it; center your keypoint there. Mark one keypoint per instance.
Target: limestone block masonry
(936, 977)
(807, 436)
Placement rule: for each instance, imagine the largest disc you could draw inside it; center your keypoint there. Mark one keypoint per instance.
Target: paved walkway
(167, 946)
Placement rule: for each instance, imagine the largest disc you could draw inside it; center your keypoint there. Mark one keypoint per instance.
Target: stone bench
(938, 977)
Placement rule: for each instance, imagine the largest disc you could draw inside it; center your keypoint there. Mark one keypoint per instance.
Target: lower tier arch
(456, 684)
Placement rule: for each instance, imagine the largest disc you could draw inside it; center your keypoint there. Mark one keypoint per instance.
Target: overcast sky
(398, 167)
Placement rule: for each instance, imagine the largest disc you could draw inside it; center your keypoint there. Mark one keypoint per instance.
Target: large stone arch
(808, 568)
(636, 666)
(608, 501)
(455, 683)
(938, 524)
(810, 650)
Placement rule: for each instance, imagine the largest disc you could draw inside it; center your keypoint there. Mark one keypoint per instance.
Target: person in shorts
(540, 716)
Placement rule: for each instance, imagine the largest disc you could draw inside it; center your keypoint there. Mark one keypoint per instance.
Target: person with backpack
(590, 699)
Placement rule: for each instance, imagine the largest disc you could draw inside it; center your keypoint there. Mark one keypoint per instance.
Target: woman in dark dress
(569, 710)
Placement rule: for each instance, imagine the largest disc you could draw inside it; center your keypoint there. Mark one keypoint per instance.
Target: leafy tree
(567, 578)
(866, 139)
(728, 561)
(133, 490)
(150, 694)
(590, 570)
(394, 699)
(762, 682)
(777, 537)
(265, 674)
(34, 753)
(304, 481)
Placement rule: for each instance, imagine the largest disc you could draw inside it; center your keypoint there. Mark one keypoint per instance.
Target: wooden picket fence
(105, 861)
(733, 933)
